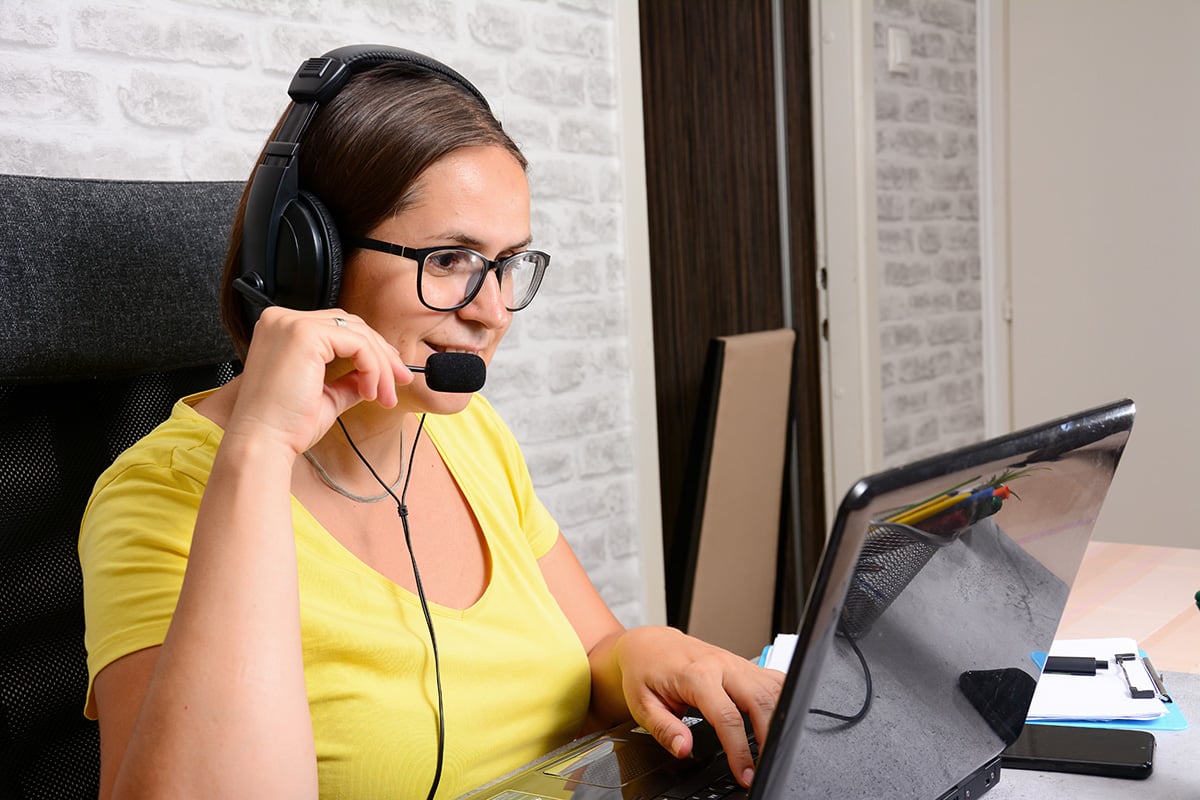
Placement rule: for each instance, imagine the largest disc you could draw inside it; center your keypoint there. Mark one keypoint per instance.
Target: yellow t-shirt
(514, 675)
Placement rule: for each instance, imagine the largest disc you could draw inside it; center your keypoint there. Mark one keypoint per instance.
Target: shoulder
(179, 451)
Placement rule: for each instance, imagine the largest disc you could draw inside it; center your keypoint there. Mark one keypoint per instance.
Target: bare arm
(220, 709)
(225, 699)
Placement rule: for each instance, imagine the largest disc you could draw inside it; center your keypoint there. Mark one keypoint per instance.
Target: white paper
(779, 656)
(1103, 696)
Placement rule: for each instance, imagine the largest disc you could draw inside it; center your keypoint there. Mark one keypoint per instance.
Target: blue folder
(1173, 720)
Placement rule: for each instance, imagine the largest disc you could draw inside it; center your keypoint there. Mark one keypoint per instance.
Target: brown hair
(365, 150)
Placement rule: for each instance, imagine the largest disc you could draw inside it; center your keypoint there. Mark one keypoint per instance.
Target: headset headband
(275, 186)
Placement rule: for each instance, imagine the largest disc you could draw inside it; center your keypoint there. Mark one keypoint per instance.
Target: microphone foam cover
(455, 372)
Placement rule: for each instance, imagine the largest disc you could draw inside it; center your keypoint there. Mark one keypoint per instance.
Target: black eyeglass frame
(419, 254)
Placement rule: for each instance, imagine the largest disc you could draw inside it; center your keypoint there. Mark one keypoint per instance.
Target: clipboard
(1173, 720)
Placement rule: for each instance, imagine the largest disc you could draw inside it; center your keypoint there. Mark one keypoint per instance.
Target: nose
(487, 307)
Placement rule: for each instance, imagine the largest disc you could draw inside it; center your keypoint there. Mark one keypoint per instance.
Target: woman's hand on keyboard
(665, 672)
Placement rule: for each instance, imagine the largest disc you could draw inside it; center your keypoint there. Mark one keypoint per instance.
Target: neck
(379, 440)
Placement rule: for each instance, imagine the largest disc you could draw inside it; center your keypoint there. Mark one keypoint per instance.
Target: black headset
(291, 254)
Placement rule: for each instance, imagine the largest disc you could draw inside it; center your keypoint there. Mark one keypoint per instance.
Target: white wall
(927, 214)
(1104, 239)
(188, 89)
(899, 230)
(1089, 193)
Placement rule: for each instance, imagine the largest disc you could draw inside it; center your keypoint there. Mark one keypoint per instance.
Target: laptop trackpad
(612, 762)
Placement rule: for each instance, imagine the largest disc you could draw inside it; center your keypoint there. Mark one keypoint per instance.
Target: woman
(260, 621)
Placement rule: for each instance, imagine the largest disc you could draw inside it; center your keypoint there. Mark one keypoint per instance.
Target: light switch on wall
(899, 50)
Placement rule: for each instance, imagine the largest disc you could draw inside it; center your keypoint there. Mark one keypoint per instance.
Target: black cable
(855, 718)
(402, 511)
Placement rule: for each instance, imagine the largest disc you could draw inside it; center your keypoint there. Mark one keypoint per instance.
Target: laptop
(912, 666)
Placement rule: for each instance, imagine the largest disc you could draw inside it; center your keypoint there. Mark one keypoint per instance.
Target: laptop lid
(945, 627)
(938, 581)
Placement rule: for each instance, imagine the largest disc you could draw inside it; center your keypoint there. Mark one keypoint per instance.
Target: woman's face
(476, 197)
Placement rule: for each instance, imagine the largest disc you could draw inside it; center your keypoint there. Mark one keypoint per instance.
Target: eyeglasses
(449, 278)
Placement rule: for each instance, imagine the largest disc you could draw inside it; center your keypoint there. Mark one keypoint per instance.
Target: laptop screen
(913, 665)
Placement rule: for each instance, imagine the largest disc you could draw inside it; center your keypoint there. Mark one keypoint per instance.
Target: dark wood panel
(715, 243)
(709, 105)
(806, 282)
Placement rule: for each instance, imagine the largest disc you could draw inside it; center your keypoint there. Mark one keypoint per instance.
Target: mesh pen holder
(891, 557)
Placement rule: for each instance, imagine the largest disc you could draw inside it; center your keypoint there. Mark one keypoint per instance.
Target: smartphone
(1112, 752)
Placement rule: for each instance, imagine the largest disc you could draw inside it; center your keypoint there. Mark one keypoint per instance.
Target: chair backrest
(108, 314)
(724, 559)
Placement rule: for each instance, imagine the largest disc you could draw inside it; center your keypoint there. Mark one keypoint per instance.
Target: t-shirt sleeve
(133, 548)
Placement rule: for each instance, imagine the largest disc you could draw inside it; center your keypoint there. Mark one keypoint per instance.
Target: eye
(451, 262)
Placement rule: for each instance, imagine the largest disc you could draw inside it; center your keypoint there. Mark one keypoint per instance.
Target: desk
(1146, 593)
(1175, 775)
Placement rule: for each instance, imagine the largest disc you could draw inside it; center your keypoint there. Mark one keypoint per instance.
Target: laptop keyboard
(721, 789)
(714, 783)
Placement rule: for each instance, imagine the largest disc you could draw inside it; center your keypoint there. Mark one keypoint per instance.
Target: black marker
(1074, 665)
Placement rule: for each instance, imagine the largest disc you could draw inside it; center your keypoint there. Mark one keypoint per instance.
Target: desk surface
(1146, 593)
(1174, 778)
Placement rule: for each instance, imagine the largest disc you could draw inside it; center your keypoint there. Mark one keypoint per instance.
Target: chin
(442, 402)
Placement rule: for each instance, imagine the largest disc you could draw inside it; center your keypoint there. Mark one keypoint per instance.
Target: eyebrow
(470, 241)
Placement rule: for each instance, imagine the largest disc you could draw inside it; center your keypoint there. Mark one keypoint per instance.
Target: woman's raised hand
(288, 391)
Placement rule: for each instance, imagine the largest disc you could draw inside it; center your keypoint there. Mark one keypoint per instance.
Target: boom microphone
(454, 372)
(444, 372)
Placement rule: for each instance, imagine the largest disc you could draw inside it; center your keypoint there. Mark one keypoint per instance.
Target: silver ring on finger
(341, 323)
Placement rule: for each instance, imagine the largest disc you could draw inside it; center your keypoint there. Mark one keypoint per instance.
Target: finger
(372, 360)
(376, 383)
(305, 368)
(362, 371)
(394, 372)
(344, 393)
(721, 712)
(757, 693)
(662, 722)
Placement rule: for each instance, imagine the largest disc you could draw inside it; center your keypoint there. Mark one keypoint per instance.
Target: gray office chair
(108, 314)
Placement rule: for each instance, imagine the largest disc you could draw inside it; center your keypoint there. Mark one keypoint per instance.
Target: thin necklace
(358, 498)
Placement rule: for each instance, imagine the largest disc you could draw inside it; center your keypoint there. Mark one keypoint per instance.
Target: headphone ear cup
(308, 260)
(330, 289)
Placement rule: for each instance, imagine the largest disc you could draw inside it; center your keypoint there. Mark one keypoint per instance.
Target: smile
(441, 349)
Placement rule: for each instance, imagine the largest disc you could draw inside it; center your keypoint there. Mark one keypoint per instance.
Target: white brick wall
(928, 230)
(189, 89)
